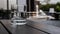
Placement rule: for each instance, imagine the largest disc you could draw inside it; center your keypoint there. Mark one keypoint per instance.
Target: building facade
(25, 7)
(31, 7)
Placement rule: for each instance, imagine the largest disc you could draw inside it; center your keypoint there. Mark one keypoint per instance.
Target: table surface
(2, 30)
(22, 29)
(50, 26)
(41, 24)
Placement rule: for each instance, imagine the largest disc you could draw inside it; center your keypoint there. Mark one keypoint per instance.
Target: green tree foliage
(57, 8)
(45, 7)
(48, 6)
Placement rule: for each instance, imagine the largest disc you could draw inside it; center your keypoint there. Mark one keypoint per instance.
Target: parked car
(18, 21)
